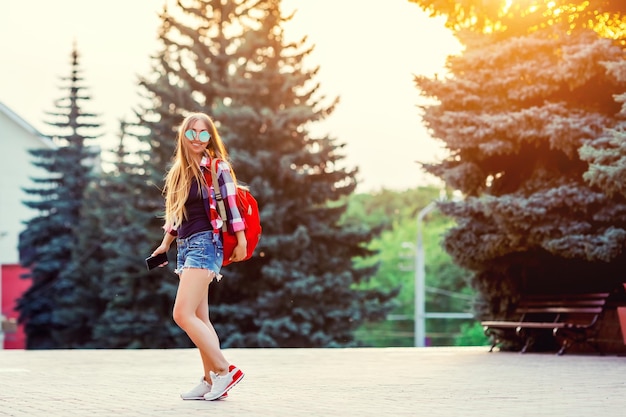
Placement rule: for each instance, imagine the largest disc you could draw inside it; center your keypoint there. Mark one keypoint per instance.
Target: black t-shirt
(197, 219)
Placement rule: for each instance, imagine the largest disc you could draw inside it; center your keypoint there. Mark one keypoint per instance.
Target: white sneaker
(199, 391)
(222, 383)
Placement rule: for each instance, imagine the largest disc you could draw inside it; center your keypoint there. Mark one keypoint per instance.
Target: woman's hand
(240, 251)
(162, 248)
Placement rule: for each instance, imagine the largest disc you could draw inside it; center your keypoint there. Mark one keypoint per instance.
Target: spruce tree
(79, 303)
(210, 48)
(131, 300)
(49, 242)
(188, 74)
(303, 289)
(606, 154)
(515, 111)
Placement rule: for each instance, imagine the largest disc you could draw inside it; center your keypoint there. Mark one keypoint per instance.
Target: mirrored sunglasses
(203, 136)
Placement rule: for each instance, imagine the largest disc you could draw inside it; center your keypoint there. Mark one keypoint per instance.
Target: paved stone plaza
(314, 382)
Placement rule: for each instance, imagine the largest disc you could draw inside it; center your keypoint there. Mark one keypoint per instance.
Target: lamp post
(419, 330)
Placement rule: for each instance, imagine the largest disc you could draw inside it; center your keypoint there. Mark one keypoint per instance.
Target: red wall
(12, 288)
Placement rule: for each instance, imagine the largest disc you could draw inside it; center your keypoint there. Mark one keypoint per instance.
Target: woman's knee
(181, 316)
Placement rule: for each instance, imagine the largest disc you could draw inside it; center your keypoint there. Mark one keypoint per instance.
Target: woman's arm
(164, 246)
(168, 238)
(228, 189)
(241, 250)
(234, 221)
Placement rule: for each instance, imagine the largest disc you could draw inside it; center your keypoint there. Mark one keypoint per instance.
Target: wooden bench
(569, 317)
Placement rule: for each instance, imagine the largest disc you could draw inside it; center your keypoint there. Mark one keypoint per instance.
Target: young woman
(193, 221)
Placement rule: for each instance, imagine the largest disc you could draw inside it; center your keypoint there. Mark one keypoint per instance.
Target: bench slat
(562, 303)
(496, 323)
(516, 324)
(571, 296)
(571, 310)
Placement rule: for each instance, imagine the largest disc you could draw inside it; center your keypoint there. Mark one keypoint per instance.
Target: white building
(17, 137)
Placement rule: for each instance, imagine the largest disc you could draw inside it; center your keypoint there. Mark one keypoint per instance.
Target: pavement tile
(459, 381)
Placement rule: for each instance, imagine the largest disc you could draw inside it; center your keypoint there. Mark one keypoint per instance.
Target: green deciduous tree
(446, 283)
(49, 245)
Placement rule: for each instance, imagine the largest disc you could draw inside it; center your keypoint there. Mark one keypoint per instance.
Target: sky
(367, 56)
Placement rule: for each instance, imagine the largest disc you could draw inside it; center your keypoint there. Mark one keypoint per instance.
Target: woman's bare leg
(203, 314)
(192, 292)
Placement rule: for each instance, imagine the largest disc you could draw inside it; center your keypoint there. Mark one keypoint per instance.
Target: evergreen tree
(132, 301)
(79, 305)
(49, 242)
(228, 59)
(303, 291)
(606, 155)
(199, 40)
(507, 18)
(514, 113)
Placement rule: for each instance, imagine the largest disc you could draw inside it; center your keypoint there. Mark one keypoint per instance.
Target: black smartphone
(154, 261)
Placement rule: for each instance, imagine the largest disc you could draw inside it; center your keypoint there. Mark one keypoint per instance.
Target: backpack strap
(206, 195)
(219, 199)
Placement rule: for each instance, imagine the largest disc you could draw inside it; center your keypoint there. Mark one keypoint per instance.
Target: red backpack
(249, 210)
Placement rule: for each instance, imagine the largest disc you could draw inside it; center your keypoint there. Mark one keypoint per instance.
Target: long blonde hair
(179, 178)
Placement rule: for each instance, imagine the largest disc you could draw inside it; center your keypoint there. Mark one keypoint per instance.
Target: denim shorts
(202, 250)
